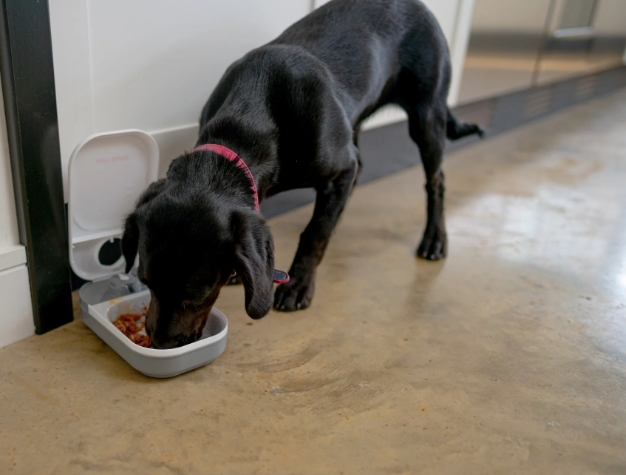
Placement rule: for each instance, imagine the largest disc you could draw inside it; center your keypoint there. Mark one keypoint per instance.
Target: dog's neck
(228, 154)
(257, 148)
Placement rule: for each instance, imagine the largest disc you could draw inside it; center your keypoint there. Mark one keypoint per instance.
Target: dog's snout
(167, 344)
(164, 340)
(172, 327)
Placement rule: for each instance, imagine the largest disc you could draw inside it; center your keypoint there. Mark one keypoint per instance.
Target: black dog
(291, 110)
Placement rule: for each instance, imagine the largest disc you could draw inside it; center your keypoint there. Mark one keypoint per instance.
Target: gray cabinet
(516, 44)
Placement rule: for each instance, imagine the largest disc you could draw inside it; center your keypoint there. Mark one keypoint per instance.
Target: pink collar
(280, 277)
(231, 156)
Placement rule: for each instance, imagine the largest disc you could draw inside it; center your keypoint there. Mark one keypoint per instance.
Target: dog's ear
(130, 241)
(130, 238)
(254, 261)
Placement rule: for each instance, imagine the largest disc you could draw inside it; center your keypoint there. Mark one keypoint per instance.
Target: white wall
(8, 222)
(151, 64)
(16, 315)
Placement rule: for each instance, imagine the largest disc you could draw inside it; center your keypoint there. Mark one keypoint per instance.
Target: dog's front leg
(329, 204)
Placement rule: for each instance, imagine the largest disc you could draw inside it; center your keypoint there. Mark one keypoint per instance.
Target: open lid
(107, 174)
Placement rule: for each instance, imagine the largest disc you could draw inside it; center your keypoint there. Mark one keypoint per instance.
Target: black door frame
(28, 89)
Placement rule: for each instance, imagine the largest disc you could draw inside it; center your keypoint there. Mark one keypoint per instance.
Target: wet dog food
(133, 326)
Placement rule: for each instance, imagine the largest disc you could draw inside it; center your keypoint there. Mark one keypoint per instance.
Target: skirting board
(16, 313)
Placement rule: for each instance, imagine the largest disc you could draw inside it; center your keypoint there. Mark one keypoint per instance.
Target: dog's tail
(456, 130)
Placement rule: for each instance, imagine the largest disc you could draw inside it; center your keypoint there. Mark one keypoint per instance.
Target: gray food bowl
(151, 362)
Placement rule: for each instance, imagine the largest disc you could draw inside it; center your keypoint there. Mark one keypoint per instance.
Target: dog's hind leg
(424, 100)
(329, 204)
(427, 127)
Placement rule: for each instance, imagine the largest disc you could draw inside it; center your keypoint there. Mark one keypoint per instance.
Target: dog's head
(188, 249)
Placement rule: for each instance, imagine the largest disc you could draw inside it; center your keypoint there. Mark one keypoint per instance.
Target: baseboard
(16, 313)
(173, 142)
(12, 256)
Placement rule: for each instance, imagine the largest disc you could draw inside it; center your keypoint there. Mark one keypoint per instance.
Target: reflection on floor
(508, 357)
(491, 74)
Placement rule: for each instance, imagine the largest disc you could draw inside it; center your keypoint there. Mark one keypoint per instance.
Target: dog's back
(357, 48)
(365, 44)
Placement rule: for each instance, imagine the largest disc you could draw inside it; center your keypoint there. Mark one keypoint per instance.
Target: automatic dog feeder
(107, 173)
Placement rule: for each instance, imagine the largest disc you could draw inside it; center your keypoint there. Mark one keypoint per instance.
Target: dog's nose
(164, 342)
(165, 345)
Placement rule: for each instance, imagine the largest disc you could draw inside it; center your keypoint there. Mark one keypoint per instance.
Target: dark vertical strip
(27, 74)
(543, 45)
(8, 93)
(594, 11)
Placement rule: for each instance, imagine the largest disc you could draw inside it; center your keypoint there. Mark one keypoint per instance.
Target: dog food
(133, 326)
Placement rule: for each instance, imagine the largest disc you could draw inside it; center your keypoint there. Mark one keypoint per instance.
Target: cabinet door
(569, 40)
(583, 36)
(505, 41)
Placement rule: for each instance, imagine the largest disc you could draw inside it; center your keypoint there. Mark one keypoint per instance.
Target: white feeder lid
(107, 174)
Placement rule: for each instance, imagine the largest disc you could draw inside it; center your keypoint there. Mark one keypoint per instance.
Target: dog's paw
(234, 280)
(434, 245)
(296, 294)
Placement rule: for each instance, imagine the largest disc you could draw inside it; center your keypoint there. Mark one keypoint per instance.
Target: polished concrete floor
(509, 357)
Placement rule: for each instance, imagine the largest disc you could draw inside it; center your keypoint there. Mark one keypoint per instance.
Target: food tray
(152, 362)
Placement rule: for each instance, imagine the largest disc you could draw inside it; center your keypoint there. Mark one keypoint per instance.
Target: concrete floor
(507, 358)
